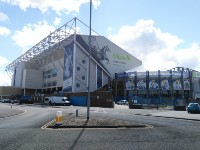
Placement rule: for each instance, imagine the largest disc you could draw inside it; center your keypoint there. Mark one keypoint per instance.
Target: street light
(88, 100)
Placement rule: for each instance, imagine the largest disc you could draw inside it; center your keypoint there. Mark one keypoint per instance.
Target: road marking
(114, 128)
(14, 115)
(47, 124)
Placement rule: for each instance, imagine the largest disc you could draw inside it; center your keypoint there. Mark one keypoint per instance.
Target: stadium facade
(176, 86)
(59, 63)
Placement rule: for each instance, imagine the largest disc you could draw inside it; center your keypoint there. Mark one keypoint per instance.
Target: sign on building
(68, 68)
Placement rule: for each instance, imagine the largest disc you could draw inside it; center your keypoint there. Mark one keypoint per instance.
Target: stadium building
(59, 63)
(176, 87)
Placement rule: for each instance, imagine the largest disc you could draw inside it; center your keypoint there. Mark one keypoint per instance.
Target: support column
(136, 94)
(159, 84)
(147, 83)
(115, 89)
(171, 87)
(124, 82)
(24, 91)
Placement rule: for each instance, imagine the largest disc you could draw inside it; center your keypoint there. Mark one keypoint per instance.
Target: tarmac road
(24, 131)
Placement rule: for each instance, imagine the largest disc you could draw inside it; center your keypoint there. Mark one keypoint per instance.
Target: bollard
(71, 109)
(76, 112)
(58, 117)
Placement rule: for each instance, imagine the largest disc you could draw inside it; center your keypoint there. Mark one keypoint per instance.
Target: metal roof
(45, 45)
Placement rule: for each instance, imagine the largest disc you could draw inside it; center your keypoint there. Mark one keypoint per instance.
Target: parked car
(122, 102)
(6, 101)
(14, 101)
(135, 103)
(193, 108)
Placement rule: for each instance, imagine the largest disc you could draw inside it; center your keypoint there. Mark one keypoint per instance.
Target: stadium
(174, 87)
(58, 64)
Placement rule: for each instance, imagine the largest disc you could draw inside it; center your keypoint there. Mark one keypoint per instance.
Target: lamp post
(88, 100)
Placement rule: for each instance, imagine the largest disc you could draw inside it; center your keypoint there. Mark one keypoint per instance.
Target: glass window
(77, 85)
(78, 68)
(54, 75)
(48, 84)
(53, 71)
(54, 83)
(99, 77)
(83, 61)
(83, 77)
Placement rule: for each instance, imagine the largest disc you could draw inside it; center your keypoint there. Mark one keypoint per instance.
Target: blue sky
(163, 34)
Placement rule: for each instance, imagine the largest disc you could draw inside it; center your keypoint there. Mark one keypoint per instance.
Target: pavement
(176, 115)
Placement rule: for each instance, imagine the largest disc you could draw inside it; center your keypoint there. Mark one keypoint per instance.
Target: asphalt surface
(23, 131)
(9, 110)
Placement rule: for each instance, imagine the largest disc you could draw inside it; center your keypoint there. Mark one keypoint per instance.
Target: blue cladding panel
(78, 100)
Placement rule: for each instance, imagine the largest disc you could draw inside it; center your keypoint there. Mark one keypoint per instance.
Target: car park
(122, 102)
(14, 101)
(193, 108)
(6, 101)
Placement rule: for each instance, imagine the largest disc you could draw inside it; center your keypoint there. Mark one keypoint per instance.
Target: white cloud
(4, 31)
(3, 17)
(57, 21)
(4, 78)
(157, 50)
(66, 6)
(32, 34)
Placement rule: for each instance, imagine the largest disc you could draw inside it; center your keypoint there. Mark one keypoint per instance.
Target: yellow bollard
(58, 117)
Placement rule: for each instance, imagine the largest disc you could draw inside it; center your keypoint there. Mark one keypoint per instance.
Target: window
(54, 83)
(83, 77)
(49, 84)
(54, 75)
(77, 85)
(83, 61)
(99, 77)
(53, 71)
(49, 76)
(78, 68)
(50, 73)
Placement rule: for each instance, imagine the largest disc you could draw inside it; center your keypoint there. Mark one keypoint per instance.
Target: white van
(55, 100)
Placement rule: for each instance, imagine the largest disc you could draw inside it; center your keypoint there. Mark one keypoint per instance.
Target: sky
(162, 33)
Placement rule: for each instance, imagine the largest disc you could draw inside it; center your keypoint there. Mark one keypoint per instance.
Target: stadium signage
(196, 74)
(121, 57)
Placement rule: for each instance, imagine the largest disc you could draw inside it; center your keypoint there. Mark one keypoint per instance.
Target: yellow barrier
(59, 118)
